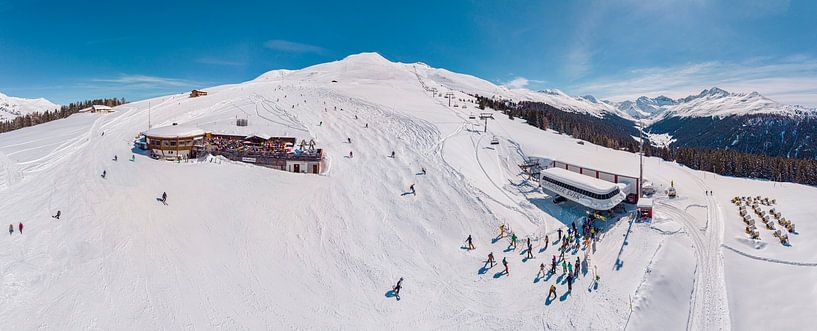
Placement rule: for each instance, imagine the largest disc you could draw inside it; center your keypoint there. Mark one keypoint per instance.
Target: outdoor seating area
(768, 218)
(275, 152)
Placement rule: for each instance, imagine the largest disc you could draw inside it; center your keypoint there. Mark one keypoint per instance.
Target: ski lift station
(594, 189)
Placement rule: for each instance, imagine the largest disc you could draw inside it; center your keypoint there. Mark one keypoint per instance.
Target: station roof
(588, 183)
(644, 203)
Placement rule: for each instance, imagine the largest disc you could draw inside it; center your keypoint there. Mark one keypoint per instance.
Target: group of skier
(19, 228)
(573, 240)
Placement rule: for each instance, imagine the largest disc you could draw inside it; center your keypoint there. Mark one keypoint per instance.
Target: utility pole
(640, 158)
(449, 95)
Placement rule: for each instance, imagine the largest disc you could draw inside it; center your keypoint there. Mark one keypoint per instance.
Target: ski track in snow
(243, 247)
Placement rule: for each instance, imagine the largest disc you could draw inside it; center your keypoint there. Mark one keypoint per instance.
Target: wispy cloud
(520, 82)
(788, 80)
(145, 81)
(293, 47)
(220, 62)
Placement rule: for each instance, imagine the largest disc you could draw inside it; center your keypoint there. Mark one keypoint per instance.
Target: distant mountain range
(12, 107)
(714, 118)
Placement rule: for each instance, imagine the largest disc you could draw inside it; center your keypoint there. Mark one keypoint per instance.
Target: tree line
(35, 118)
(618, 133)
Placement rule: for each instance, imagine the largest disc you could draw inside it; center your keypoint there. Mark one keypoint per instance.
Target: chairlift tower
(449, 95)
(485, 117)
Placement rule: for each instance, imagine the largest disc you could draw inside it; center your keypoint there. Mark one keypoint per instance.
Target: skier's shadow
(499, 274)
(548, 301)
(550, 275)
(509, 249)
(407, 193)
(483, 270)
(564, 296)
(542, 250)
(537, 279)
(493, 241)
(391, 294)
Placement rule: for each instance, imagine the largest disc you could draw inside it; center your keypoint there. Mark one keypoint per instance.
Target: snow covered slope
(11, 107)
(245, 247)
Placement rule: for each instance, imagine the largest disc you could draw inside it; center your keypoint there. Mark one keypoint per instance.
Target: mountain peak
(366, 57)
(714, 91)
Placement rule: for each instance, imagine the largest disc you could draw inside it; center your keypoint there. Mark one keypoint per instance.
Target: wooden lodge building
(283, 153)
(197, 93)
(97, 109)
(173, 142)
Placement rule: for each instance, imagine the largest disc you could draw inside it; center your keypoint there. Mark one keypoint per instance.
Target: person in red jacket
(20, 226)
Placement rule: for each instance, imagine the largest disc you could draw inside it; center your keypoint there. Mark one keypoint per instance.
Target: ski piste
(250, 247)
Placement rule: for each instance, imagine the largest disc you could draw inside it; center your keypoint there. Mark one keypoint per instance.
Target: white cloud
(293, 47)
(145, 81)
(219, 62)
(520, 82)
(790, 80)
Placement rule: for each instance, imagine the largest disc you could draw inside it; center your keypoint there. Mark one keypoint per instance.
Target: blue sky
(73, 50)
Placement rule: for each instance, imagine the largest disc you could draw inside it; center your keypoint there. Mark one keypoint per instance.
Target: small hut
(197, 93)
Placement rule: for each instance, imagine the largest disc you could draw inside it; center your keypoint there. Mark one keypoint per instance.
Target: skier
(470, 243)
(513, 240)
(57, 216)
(569, 283)
(578, 268)
(164, 197)
(115, 158)
(397, 288)
(530, 249)
(20, 226)
(350, 154)
(569, 269)
(412, 189)
(423, 170)
(392, 154)
(553, 265)
(560, 233)
(541, 270)
(502, 230)
(132, 157)
(11, 229)
(321, 123)
(366, 126)
(564, 267)
(505, 264)
(349, 140)
(355, 116)
(546, 242)
(491, 260)
(553, 292)
(104, 173)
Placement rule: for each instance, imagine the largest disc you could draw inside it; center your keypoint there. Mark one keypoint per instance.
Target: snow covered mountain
(240, 246)
(12, 107)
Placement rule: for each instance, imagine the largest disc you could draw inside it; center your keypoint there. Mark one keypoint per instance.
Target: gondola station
(590, 192)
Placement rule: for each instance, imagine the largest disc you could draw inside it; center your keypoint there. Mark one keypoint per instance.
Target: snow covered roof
(174, 131)
(101, 107)
(588, 183)
(644, 203)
